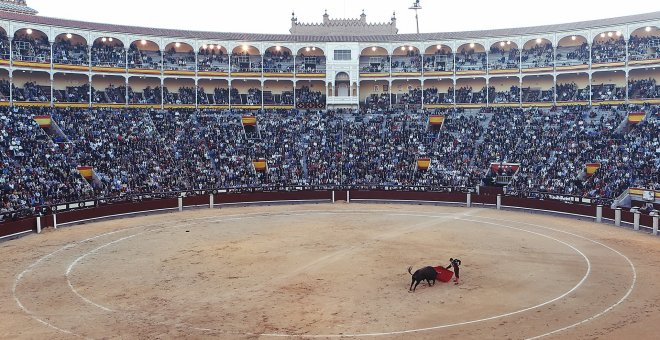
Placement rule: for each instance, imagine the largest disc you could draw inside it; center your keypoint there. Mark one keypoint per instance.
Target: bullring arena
(331, 271)
(166, 183)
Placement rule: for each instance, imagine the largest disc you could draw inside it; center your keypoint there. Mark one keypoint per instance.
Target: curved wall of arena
(92, 210)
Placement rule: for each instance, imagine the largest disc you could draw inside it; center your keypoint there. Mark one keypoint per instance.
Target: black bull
(427, 273)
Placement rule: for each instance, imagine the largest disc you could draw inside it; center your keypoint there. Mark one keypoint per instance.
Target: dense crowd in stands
(308, 99)
(608, 51)
(567, 92)
(143, 59)
(603, 92)
(643, 89)
(65, 52)
(30, 48)
(140, 150)
(642, 48)
(540, 55)
(108, 55)
(278, 62)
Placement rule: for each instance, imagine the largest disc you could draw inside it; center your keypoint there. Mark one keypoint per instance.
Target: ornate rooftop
(16, 6)
(354, 27)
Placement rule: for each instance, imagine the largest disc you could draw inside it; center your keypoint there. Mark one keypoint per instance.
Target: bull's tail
(410, 270)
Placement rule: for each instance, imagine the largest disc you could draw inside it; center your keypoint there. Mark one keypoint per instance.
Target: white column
(55, 221)
(52, 83)
(333, 196)
(617, 217)
(599, 214)
(211, 201)
(655, 223)
(180, 203)
(499, 201)
(469, 199)
(348, 197)
(636, 215)
(38, 224)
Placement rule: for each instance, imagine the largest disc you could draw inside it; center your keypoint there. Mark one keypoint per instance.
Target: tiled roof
(326, 38)
(11, 7)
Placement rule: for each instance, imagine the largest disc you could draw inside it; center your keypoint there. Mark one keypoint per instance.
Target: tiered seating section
(139, 150)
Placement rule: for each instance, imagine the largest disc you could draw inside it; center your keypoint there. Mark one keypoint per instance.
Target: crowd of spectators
(608, 51)
(466, 95)
(433, 96)
(411, 62)
(643, 89)
(310, 64)
(375, 101)
(500, 58)
(244, 62)
(34, 170)
(604, 92)
(5, 90)
(210, 60)
(278, 62)
(32, 92)
(410, 99)
(510, 95)
(4, 46)
(173, 60)
(32, 49)
(308, 99)
(441, 60)
(139, 150)
(108, 55)
(540, 55)
(642, 48)
(65, 52)
(572, 55)
(567, 92)
(469, 60)
(375, 64)
(536, 95)
(144, 59)
(72, 94)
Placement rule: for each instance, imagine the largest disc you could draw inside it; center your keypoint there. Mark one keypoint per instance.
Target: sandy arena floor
(331, 271)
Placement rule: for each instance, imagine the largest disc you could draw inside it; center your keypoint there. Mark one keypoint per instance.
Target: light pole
(416, 6)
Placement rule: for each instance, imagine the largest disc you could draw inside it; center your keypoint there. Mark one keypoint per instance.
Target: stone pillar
(469, 199)
(636, 215)
(599, 213)
(617, 217)
(655, 223)
(499, 201)
(38, 224)
(180, 203)
(211, 201)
